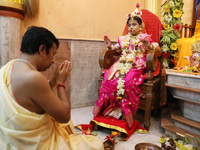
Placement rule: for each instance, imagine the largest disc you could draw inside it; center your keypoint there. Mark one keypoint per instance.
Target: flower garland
(172, 12)
(125, 65)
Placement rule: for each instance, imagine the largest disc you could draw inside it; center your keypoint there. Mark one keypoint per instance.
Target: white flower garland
(125, 65)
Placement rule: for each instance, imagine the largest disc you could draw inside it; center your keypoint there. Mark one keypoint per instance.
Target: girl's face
(134, 28)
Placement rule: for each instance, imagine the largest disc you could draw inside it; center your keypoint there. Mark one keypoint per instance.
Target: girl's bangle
(60, 85)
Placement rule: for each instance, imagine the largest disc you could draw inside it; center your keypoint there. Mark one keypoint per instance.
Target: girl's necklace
(23, 60)
(135, 36)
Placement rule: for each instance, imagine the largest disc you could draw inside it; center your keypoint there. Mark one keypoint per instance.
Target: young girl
(119, 93)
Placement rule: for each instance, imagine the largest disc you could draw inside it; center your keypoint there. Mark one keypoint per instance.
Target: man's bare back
(30, 87)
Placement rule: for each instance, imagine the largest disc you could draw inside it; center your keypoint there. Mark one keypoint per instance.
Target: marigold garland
(172, 12)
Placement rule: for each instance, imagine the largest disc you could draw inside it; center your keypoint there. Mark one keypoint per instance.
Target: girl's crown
(136, 12)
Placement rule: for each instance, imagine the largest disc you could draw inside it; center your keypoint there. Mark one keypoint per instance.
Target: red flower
(138, 13)
(177, 27)
(166, 54)
(172, 61)
(109, 139)
(87, 132)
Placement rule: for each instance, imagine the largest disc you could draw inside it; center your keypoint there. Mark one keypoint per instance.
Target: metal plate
(147, 146)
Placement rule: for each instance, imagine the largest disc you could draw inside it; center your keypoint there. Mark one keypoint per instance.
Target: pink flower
(140, 62)
(138, 5)
(144, 37)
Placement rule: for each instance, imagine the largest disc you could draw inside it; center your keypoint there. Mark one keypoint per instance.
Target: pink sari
(108, 104)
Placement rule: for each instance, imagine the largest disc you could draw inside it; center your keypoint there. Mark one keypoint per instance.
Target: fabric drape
(185, 49)
(21, 129)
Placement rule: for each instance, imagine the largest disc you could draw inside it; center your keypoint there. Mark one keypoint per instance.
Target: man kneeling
(32, 116)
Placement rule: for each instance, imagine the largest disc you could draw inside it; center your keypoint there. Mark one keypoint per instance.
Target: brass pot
(147, 146)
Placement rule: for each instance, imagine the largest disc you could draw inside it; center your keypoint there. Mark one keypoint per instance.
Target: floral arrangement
(88, 132)
(110, 140)
(168, 143)
(172, 12)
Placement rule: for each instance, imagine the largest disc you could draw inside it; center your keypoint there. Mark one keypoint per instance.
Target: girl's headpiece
(135, 13)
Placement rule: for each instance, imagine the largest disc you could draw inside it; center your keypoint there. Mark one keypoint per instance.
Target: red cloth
(155, 73)
(114, 124)
(152, 25)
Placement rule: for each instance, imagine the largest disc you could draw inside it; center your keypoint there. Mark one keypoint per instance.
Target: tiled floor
(84, 116)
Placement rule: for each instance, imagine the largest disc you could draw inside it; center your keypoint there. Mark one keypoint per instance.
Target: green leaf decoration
(171, 35)
(95, 133)
(174, 55)
(165, 39)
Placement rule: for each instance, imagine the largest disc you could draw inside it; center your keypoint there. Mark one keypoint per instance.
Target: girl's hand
(107, 42)
(145, 39)
(146, 43)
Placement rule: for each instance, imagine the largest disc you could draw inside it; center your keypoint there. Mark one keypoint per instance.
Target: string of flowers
(125, 65)
(172, 12)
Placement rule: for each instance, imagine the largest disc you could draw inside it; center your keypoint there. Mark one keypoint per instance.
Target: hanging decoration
(31, 8)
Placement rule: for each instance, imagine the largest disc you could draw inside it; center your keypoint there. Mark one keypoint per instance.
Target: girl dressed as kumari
(119, 92)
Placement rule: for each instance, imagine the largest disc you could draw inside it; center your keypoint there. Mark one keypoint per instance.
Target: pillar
(11, 17)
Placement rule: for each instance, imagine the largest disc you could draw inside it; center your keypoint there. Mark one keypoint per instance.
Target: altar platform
(183, 114)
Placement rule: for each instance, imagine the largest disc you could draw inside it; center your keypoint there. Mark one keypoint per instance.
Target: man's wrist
(50, 85)
(60, 85)
(53, 82)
